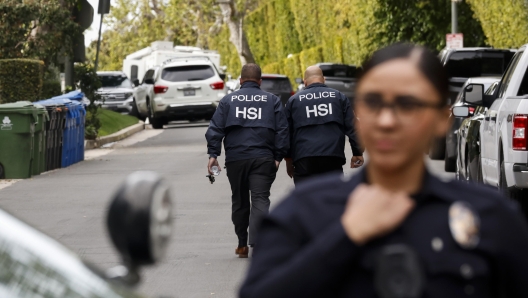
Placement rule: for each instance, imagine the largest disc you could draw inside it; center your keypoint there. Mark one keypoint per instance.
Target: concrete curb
(118, 136)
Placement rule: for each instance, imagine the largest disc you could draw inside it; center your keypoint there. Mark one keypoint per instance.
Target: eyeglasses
(404, 107)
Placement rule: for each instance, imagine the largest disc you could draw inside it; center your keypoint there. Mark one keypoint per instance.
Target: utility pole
(104, 8)
(454, 16)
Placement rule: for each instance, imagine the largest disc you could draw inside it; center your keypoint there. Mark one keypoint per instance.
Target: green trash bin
(39, 152)
(17, 127)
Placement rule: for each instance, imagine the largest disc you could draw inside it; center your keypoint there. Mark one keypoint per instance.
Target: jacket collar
(250, 84)
(315, 85)
(431, 187)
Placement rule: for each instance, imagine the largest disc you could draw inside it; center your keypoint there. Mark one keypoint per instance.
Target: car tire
(157, 123)
(437, 151)
(2, 173)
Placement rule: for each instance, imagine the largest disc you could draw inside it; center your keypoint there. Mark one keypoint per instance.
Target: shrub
(292, 68)
(504, 22)
(87, 80)
(20, 79)
(310, 57)
(51, 89)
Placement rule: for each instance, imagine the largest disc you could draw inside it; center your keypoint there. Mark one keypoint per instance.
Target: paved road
(70, 205)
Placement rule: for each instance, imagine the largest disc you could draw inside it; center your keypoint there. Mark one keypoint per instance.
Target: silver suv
(180, 89)
(116, 92)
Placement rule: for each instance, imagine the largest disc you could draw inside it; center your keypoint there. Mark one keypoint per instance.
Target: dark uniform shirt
(253, 124)
(319, 118)
(304, 252)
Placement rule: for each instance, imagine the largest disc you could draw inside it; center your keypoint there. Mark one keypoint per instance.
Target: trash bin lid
(20, 107)
(54, 102)
(41, 110)
(74, 95)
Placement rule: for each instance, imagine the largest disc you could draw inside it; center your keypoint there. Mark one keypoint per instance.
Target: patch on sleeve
(464, 224)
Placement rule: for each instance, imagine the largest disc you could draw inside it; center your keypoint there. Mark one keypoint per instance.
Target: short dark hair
(251, 72)
(428, 64)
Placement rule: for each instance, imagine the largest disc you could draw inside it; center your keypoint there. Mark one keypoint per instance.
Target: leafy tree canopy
(36, 28)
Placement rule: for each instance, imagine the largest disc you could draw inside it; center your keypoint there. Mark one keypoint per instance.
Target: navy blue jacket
(252, 124)
(303, 250)
(319, 118)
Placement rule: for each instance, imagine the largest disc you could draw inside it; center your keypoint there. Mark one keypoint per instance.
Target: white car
(116, 92)
(503, 131)
(180, 89)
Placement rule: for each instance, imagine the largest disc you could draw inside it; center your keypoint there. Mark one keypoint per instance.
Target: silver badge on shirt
(464, 224)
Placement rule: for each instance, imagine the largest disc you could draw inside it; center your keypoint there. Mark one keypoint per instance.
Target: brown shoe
(242, 252)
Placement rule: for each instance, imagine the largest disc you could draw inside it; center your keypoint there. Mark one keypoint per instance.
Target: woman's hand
(372, 212)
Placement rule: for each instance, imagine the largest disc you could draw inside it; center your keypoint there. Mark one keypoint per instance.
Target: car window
(115, 81)
(508, 74)
(492, 88)
(468, 64)
(187, 73)
(340, 71)
(148, 75)
(523, 89)
(282, 84)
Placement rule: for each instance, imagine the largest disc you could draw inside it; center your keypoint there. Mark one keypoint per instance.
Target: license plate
(189, 92)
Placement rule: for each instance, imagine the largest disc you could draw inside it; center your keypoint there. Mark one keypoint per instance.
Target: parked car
(116, 92)
(180, 89)
(35, 265)
(279, 85)
(276, 84)
(451, 135)
(341, 77)
(468, 161)
(504, 148)
(462, 64)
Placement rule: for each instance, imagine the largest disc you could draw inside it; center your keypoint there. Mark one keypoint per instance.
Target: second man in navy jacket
(254, 129)
(319, 118)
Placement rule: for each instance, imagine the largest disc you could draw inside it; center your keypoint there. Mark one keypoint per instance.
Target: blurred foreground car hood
(35, 265)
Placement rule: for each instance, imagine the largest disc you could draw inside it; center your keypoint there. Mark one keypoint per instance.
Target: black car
(341, 77)
(139, 222)
(468, 162)
(279, 85)
(451, 137)
(462, 64)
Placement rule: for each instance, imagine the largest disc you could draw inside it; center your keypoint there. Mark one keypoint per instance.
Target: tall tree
(233, 17)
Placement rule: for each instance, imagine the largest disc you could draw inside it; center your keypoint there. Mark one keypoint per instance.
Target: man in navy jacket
(254, 129)
(319, 118)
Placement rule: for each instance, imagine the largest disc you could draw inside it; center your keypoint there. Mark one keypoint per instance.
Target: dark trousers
(310, 166)
(245, 176)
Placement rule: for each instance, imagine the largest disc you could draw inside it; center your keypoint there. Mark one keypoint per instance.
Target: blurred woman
(393, 229)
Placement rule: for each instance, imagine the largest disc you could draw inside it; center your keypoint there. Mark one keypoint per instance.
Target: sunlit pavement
(70, 205)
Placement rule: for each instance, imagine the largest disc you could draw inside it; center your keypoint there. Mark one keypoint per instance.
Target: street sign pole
(454, 16)
(104, 8)
(98, 44)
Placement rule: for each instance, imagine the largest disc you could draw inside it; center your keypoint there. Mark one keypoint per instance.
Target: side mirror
(139, 222)
(298, 81)
(474, 93)
(461, 111)
(149, 81)
(135, 82)
(223, 76)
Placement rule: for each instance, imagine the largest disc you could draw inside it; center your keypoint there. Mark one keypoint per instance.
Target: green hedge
(346, 31)
(310, 57)
(272, 68)
(505, 22)
(51, 89)
(20, 79)
(292, 68)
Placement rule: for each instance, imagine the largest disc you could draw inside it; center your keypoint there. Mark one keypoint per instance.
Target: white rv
(136, 64)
